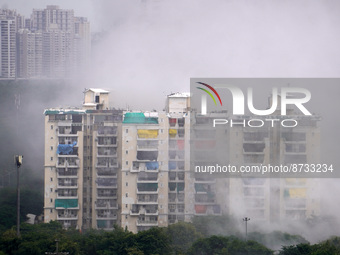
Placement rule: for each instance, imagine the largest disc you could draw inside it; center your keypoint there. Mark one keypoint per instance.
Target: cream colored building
(82, 163)
(132, 168)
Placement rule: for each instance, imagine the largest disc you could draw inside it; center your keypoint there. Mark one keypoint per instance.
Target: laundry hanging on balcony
(66, 149)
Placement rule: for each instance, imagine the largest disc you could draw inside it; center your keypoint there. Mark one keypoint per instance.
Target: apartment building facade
(82, 162)
(105, 167)
(8, 29)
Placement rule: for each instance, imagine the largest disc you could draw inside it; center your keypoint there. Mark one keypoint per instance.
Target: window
(51, 189)
(51, 200)
(51, 179)
(51, 210)
(126, 152)
(126, 217)
(51, 158)
(126, 206)
(126, 162)
(97, 99)
(52, 127)
(126, 184)
(51, 148)
(126, 194)
(127, 130)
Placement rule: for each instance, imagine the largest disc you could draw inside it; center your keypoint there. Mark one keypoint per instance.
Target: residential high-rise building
(105, 167)
(82, 45)
(82, 162)
(43, 19)
(30, 58)
(8, 44)
(51, 44)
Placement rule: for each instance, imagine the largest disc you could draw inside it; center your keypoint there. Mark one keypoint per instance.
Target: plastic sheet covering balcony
(101, 223)
(147, 186)
(147, 133)
(106, 181)
(253, 181)
(147, 155)
(172, 133)
(66, 203)
(173, 186)
(295, 181)
(138, 118)
(200, 187)
(180, 144)
(295, 193)
(172, 165)
(172, 122)
(200, 208)
(152, 165)
(66, 149)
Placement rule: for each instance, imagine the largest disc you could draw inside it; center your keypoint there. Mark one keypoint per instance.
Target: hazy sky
(151, 48)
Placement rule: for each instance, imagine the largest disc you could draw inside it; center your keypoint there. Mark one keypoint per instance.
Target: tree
(215, 225)
(182, 235)
(216, 245)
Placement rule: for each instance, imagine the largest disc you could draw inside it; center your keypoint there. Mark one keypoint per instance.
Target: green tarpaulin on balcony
(66, 203)
(138, 117)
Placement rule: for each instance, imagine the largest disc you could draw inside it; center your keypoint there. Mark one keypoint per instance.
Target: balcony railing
(147, 223)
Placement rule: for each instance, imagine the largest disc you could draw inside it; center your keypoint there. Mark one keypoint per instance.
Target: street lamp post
(18, 163)
(246, 219)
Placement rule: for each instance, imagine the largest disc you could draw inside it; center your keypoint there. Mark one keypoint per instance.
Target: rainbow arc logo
(209, 93)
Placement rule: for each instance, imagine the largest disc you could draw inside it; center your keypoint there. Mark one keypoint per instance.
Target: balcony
(67, 216)
(254, 137)
(107, 194)
(147, 223)
(107, 152)
(145, 177)
(106, 182)
(107, 131)
(106, 142)
(67, 193)
(67, 162)
(111, 172)
(147, 155)
(67, 183)
(147, 199)
(107, 163)
(69, 131)
(67, 173)
(177, 187)
(106, 204)
(176, 176)
(208, 210)
(205, 199)
(107, 216)
(149, 134)
(105, 224)
(68, 223)
(150, 167)
(146, 145)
